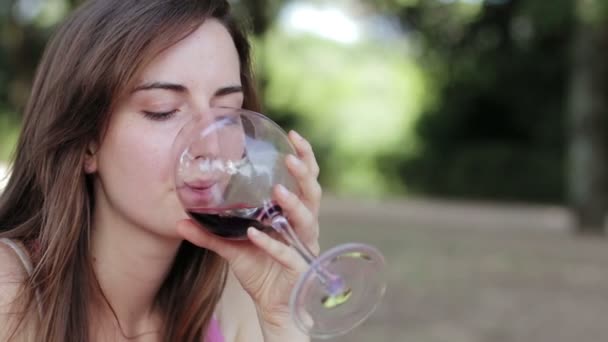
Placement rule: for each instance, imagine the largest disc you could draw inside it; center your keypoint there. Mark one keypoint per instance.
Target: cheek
(138, 160)
(136, 175)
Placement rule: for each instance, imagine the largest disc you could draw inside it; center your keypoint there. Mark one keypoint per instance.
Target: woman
(96, 246)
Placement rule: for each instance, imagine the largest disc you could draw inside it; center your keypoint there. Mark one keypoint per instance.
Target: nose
(216, 140)
(205, 137)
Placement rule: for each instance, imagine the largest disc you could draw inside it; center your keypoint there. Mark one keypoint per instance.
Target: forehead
(205, 56)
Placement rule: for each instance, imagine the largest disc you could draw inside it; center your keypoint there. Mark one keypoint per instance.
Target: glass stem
(332, 283)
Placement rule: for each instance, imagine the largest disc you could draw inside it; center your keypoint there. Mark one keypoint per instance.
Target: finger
(191, 232)
(305, 152)
(309, 186)
(280, 252)
(300, 217)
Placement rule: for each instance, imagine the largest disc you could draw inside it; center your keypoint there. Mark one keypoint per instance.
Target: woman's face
(134, 164)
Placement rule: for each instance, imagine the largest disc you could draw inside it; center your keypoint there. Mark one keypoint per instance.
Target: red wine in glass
(232, 223)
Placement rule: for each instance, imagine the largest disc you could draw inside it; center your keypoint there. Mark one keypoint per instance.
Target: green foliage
(9, 131)
(593, 12)
(474, 104)
(22, 40)
(489, 171)
(352, 101)
(499, 129)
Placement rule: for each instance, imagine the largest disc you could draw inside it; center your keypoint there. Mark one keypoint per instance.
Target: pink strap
(214, 333)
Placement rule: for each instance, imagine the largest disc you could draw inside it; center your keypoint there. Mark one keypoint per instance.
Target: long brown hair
(91, 61)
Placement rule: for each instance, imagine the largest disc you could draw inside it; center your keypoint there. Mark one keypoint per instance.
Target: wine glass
(228, 161)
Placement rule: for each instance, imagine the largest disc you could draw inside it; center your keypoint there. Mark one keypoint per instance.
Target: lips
(201, 185)
(200, 193)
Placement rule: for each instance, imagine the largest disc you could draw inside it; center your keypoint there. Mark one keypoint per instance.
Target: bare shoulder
(12, 277)
(237, 314)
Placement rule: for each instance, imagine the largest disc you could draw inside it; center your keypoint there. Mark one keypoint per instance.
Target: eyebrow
(183, 89)
(161, 85)
(229, 90)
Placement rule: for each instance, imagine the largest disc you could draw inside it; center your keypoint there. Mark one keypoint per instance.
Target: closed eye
(159, 116)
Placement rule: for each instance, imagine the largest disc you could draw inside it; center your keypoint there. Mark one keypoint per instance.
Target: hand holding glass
(228, 162)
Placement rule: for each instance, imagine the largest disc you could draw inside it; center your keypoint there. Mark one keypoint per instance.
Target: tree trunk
(588, 150)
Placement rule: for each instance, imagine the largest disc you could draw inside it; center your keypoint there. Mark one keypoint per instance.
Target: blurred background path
(473, 272)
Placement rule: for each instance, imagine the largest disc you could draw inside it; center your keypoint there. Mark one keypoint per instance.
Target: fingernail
(253, 231)
(282, 190)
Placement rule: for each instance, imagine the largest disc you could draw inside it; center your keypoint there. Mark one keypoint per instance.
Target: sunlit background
(467, 139)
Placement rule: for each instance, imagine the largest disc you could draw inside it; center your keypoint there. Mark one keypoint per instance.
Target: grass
(519, 277)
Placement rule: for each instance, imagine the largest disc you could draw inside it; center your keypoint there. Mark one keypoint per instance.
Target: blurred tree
(259, 16)
(259, 13)
(21, 43)
(500, 71)
(523, 93)
(500, 68)
(588, 158)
